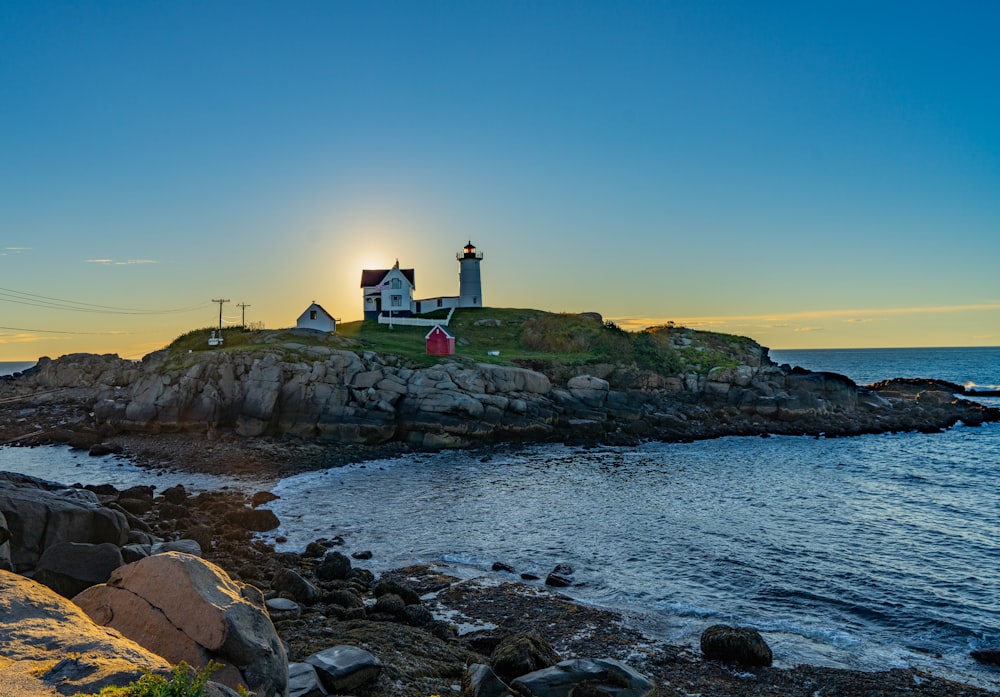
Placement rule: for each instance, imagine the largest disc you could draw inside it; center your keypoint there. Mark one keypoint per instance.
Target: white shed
(315, 317)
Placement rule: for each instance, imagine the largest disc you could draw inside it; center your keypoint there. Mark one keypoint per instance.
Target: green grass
(546, 341)
(184, 682)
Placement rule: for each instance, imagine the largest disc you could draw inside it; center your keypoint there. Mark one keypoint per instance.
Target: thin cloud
(808, 329)
(116, 262)
(22, 338)
(783, 318)
(17, 249)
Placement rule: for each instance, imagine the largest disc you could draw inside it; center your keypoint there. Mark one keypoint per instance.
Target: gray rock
(480, 681)
(282, 609)
(590, 676)
(5, 562)
(69, 567)
(343, 668)
(40, 514)
(303, 681)
(289, 581)
(183, 546)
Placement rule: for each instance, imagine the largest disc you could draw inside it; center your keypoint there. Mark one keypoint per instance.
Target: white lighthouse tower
(470, 286)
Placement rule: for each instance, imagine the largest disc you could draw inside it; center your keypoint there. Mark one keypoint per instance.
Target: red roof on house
(372, 277)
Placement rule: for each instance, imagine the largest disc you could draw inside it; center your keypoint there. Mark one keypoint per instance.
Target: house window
(475, 299)
(440, 302)
(312, 314)
(397, 301)
(396, 284)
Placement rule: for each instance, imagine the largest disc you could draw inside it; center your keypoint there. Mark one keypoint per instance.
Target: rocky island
(285, 401)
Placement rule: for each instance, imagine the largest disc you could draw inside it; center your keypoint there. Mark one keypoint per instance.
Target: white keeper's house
(389, 292)
(315, 317)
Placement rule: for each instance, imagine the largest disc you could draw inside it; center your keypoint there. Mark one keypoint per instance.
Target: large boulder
(185, 608)
(344, 668)
(5, 562)
(40, 514)
(49, 646)
(738, 645)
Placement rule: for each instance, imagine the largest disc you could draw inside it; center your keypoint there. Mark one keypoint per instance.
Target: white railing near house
(416, 321)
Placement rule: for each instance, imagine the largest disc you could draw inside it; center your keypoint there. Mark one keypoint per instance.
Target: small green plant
(184, 682)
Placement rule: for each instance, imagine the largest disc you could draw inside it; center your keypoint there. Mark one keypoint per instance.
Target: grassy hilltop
(534, 339)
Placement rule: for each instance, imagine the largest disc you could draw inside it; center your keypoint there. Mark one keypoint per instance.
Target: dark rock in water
(583, 677)
(70, 567)
(530, 577)
(989, 657)
(303, 681)
(344, 668)
(520, 654)
(560, 577)
(334, 567)
(262, 497)
(315, 550)
(290, 582)
(500, 566)
(386, 586)
(362, 555)
(740, 645)
(254, 520)
(101, 449)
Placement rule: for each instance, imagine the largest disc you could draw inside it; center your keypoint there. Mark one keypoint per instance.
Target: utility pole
(220, 312)
(243, 307)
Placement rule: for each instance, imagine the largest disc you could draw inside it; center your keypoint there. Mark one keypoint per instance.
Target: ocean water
(868, 552)
(11, 367)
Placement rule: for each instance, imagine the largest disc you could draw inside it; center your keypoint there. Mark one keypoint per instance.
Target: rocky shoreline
(424, 624)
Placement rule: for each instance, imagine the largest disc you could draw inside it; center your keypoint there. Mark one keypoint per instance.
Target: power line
(55, 331)
(50, 303)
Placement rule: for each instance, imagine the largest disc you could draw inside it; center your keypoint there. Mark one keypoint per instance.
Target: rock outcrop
(338, 396)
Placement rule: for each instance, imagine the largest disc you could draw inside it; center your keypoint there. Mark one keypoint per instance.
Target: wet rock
(739, 645)
(389, 604)
(303, 681)
(176, 495)
(362, 555)
(344, 668)
(335, 566)
(500, 566)
(314, 550)
(388, 586)
(262, 497)
(582, 677)
(989, 657)
(301, 590)
(183, 546)
(520, 654)
(560, 577)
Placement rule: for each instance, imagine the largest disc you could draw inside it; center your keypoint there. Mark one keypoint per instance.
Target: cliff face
(331, 395)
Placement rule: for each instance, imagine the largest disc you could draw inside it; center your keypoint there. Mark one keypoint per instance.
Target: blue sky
(808, 175)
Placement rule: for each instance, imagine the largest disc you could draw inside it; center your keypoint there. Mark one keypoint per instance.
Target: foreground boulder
(49, 646)
(739, 645)
(185, 608)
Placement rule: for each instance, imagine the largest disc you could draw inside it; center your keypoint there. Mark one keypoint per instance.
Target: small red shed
(440, 342)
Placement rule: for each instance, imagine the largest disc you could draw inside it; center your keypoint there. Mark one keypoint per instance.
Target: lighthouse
(470, 287)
